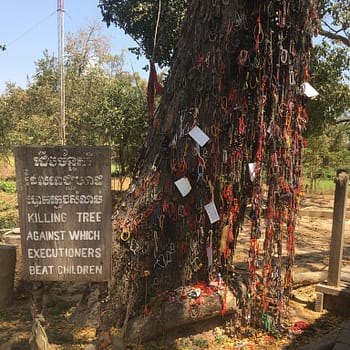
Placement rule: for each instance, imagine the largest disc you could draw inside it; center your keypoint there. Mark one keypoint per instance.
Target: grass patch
(8, 204)
(325, 186)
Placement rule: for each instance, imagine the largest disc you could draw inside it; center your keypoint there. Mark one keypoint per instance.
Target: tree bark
(307, 278)
(175, 314)
(236, 78)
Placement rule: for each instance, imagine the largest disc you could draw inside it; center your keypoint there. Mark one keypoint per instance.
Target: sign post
(338, 225)
(64, 195)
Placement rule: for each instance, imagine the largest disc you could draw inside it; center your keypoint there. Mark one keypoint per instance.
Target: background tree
(139, 20)
(331, 65)
(328, 121)
(92, 73)
(330, 73)
(335, 20)
(6, 123)
(325, 153)
(101, 101)
(121, 114)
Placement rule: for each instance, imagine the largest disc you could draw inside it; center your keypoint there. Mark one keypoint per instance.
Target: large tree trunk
(237, 76)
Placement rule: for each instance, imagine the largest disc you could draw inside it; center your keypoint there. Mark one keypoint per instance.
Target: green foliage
(122, 116)
(8, 206)
(200, 342)
(220, 339)
(139, 20)
(6, 125)
(335, 20)
(13, 102)
(330, 69)
(330, 66)
(33, 112)
(104, 105)
(325, 186)
(8, 186)
(325, 154)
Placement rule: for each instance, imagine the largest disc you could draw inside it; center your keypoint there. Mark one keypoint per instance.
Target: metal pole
(60, 20)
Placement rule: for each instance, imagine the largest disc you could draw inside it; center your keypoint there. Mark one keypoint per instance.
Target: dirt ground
(313, 236)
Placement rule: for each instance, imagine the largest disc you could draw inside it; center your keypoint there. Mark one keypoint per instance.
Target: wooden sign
(64, 196)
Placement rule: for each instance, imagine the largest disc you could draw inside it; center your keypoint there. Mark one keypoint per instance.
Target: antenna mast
(60, 21)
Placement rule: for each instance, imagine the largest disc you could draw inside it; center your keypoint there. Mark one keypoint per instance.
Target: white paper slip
(251, 168)
(199, 136)
(184, 186)
(308, 90)
(213, 214)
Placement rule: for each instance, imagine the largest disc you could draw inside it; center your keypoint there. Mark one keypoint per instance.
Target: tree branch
(331, 29)
(333, 36)
(342, 121)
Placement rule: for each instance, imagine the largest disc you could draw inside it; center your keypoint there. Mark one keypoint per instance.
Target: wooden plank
(345, 276)
(337, 240)
(346, 269)
(319, 302)
(324, 288)
(344, 285)
(331, 290)
(64, 195)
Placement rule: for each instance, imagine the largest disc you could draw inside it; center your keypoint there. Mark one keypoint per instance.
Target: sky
(28, 27)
